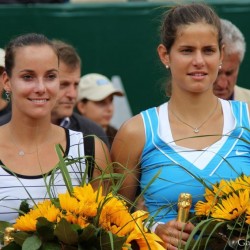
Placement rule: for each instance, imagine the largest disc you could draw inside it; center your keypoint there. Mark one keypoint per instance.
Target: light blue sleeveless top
(172, 174)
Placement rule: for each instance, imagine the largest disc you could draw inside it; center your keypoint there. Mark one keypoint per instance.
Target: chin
(219, 95)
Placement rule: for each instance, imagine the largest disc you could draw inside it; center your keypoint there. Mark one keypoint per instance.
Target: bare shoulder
(130, 139)
(101, 149)
(132, 127)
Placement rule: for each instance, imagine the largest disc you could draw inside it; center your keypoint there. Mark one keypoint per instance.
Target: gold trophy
(184, 205)
(8, 235)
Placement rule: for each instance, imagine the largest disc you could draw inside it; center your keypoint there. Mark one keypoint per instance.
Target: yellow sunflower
(115, 216)
(47, 210)
(68, 203)
(88, 200)
(232, 206)
(76, 219)
(248, 215)
(222, 188)
(210, 196)
(44, 209)
(140, 234)
(204, 208)
(243, 182)
(26, 223)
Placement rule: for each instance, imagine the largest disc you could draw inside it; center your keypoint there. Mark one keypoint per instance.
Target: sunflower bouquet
(223, 219)
(82, 218)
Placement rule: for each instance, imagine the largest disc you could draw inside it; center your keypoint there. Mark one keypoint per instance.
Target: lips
(39, 101)
(197, 74)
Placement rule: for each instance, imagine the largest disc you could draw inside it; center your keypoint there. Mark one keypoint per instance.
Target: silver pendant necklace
(196, 130)
(21, 152)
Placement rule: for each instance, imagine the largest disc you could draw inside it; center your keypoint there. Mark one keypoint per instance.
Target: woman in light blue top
(169, 142)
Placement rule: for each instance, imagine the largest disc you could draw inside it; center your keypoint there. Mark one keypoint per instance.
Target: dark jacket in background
(111, 132)
(88, 127)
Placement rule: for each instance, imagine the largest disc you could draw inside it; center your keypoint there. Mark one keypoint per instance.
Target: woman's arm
(101, 166)
(126, 153)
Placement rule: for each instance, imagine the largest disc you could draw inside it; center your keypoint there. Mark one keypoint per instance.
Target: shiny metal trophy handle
(184, 205)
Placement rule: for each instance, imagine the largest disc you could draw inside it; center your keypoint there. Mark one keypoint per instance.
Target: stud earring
(7, 96)
(220, 66)
(167, 67)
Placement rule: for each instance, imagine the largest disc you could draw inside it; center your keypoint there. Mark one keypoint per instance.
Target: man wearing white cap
(5, 106)
(95, 101)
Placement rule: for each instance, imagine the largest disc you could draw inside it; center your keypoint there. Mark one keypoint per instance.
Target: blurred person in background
(69, 75)
(235, 47)
(95, 101)
(5, 105)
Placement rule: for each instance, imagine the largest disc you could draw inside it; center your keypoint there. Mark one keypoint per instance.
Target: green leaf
(20, 237)
(63, 167)
(87, 247)
(89, 233)
(45, 229)
(66, 233)
(88, 239)
(109, 241)
(51, 246)
(12, 246)
(66, 247)
(205, 233)
(32, 243)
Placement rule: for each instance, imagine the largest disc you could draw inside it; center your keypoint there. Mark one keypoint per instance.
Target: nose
(198, 59)
(40, 87)
(110, 106)
(71, 92)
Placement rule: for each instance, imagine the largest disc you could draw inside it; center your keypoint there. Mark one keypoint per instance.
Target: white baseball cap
(2, 58)
(96, 87)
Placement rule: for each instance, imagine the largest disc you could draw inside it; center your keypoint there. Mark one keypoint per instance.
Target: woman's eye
(185, 51)
(209, 51)
(52, 76)
(27, 77)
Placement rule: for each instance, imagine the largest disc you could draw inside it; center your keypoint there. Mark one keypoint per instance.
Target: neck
(193, 106)
(192, 118)
(28, 130)
(29, 143)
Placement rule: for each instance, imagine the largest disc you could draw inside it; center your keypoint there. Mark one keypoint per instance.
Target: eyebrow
(32, 71)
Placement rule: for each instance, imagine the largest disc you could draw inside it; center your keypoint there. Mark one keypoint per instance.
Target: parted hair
(186, 14)
(20, 41)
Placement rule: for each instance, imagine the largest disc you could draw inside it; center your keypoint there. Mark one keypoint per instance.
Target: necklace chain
(21, 152)
(196, 129)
